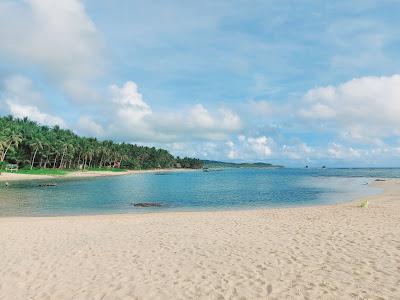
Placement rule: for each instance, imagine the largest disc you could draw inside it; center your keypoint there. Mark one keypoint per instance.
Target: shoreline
(83, 174)
(380, 184)
(375, 183)
(335, 251)
(352, 203)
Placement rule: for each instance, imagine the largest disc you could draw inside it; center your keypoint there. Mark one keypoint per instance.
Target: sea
(218, 189)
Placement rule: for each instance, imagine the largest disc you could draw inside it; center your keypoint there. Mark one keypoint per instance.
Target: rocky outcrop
(147, 204)
(47, 184)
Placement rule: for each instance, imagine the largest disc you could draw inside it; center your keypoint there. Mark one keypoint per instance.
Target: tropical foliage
(31, 145)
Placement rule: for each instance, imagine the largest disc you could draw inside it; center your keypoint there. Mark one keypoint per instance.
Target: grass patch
(61, 172)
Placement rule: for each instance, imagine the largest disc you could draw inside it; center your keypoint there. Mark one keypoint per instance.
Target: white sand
(83, 174)
(327, 252)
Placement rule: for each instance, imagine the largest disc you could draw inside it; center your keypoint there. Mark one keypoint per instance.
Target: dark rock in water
(380, 179)
(47, 184)
(147, 204)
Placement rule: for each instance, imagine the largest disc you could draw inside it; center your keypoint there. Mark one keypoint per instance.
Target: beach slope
(328, 252)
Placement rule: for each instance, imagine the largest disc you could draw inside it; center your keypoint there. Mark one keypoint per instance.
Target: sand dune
(327, 252)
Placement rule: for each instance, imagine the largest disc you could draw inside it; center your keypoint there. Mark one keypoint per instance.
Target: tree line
(31, 145)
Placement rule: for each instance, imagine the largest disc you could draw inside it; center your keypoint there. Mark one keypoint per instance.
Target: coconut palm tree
(36, 144)
(12, 138)
(26, 142)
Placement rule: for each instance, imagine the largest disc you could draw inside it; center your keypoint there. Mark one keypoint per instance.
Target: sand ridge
(325, 252)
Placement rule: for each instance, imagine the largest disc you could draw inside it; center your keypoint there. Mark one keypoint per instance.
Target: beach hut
(12, 167)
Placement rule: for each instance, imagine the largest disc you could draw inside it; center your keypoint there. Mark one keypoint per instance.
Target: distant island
(221, 164)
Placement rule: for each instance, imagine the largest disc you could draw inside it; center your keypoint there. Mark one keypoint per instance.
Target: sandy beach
(83, 174)
(325, 252)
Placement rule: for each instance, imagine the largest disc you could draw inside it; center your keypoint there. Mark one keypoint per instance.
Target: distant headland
(221, 164)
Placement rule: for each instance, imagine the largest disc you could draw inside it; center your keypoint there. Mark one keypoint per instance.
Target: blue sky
(290, 82)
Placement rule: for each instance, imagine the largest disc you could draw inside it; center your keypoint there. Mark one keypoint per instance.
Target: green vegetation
(37, 149)
(221, 164)
(364, 204)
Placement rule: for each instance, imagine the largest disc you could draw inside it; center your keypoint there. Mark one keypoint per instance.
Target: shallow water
(224, 189)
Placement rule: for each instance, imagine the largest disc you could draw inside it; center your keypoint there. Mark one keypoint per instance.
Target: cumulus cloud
(298, 151)
(20, 89)
(20, 99)
(200, 117)
(249, 147)
(89, 127)
(56, 36)
(237, 148)
(340, 152)
(138, 122)
(365, 109)
(261, 146)
(129, 103)
(34, 114)
(127, 116)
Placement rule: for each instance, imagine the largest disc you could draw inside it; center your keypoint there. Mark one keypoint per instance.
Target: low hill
(221, 164)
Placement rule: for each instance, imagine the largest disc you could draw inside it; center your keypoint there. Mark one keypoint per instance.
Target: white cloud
(56, 36)
(21, 100)
(20, 89)
(260, 146)
(320, 111)
(250, 148)
(129, 103)
(88, 126)
(33, 113)
(199, 117)
(232, 152)
(135, 119)
(365, 109)
(340, 152)
(298, 151)
(230, 120)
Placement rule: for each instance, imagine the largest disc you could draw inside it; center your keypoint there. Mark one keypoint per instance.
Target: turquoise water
(225, 189)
